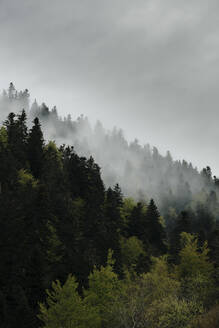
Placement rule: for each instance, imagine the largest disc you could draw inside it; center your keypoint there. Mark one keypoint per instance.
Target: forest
(80, 248)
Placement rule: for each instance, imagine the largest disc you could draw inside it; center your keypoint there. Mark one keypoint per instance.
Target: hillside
(141, 171)
(103, 258)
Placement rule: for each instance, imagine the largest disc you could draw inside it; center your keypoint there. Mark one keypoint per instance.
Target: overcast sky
(150, 67)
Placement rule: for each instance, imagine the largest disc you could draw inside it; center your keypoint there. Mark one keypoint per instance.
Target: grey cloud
(148, 66)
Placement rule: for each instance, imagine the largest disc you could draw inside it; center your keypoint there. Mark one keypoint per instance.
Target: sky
(150, 67)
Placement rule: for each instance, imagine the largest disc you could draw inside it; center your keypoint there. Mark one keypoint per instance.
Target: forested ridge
(77, 253)
(141, 171)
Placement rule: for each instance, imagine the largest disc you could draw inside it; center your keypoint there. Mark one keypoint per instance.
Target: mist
(150, 67)
(141, 171)
(109, 163)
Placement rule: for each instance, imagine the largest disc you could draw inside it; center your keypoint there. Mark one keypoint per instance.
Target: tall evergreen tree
(35, 148)
(112, 224)
(17, 137)
(137, 224)
(156, 232)
(183, 224)
(11, 91)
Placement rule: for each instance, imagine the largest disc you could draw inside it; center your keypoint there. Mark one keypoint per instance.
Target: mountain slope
(141, 171)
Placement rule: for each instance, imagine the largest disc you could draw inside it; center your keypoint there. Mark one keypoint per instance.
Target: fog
(141, 171)
(149, 67)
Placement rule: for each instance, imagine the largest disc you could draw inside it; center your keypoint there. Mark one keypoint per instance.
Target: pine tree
(112, 224)
(183, 224)
(156, 232)
(34, 110)
(17, 137)
(35, 148)
(11, 91)
(137, 224)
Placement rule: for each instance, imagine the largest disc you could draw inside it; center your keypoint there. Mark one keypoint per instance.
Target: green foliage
(195, 271)
(193, 259)
(128, 206)
(57, 218)
(55, 247)
(65, 308)
(103, 287)
(3, 138)
(139, 294)
(159, 281)
(126, 210)
(132, 250)
(53, 151)
(172, 312)
(26, 179)
(53, 158)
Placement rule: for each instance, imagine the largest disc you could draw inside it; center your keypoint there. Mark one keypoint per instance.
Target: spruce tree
(183, 224)
(11, 91)
(17, 138)
(35, 148)
(137, 224)
(156, 232)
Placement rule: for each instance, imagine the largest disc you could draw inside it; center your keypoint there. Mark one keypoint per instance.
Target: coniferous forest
(122, 237)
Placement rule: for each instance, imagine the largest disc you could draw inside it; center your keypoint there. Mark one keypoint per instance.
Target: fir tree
(35, 148)
(156, 232)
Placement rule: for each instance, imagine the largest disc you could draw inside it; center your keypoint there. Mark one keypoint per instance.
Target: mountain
(141, 171)
(101, 252)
